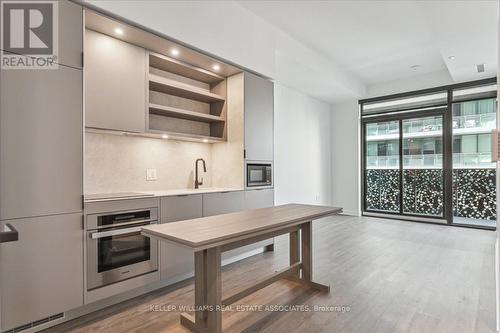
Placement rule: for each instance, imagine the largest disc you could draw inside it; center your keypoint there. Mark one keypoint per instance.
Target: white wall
(345, 156)
(302, 148)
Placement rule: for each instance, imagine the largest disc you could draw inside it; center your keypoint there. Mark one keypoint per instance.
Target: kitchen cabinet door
(259, 198)
(223, 202)
(115, 84)
(41, 142)
(259, 118)
(70, 34)
(41, 273)
(177, 261)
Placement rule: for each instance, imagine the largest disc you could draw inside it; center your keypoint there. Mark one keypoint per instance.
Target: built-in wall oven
(259, 174)
(116, 250)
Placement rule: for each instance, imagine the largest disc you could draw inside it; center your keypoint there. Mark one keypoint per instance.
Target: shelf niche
(184, 100)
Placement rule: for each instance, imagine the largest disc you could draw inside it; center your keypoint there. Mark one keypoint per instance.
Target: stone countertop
(152, 194)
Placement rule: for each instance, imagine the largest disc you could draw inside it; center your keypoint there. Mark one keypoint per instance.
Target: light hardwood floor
(394, 276)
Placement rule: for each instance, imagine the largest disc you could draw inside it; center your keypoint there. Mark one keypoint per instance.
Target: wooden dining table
(210, 236)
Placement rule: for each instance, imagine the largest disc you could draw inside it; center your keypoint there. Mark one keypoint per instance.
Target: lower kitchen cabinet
(177, 261)
(42, 273)
(223, 202)
(228, 202)
(259, 198)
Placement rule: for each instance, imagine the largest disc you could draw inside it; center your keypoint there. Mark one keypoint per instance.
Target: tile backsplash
(118, 163)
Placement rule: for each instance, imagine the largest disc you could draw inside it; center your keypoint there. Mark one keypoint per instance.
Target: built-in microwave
(259, 174)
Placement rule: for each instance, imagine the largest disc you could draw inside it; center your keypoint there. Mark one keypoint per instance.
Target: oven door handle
(101, 234)
(121, 224)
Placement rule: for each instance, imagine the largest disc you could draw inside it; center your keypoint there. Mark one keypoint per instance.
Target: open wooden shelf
(172, 87)
(177, 67)
(186, 136)
(177, 112)
(183, 114)
(156, 134)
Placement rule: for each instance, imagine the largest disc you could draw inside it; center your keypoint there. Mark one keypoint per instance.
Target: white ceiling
(377, 42)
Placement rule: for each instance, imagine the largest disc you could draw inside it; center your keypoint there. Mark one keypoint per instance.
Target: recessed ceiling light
(174, 52)
(205, 140)
(119, 31)
(216, 67)
(452, 57)
(415, 67)
(164, 136)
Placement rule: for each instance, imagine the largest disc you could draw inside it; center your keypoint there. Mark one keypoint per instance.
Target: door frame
(437, 111)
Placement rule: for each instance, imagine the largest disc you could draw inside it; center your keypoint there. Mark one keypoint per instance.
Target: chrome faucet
(196, 182)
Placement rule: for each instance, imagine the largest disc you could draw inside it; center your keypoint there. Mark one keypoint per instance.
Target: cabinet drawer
(223, 202)
(259, 198)
(182, 207)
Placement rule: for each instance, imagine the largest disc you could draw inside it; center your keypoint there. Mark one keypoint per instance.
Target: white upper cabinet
(259, 118)
(70, 34)
(41, 142)
(115, 84)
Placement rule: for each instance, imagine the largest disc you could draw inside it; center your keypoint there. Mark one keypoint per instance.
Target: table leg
(306, 240)
(214, 290)
(294, 249)
(306, 249)
(200, 289)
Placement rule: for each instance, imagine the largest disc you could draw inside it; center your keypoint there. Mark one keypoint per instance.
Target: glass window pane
(474, 175)
(382, 166)
(484, 143)
(422, 166)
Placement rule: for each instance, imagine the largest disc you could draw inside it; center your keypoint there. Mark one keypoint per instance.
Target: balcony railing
(382, 162)
(422, 125)
(430, 161)
(485, 121)
(473, 160)
(423, 161)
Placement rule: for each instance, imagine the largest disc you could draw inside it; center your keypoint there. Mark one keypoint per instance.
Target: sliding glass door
(423, 166)
(407, 181)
